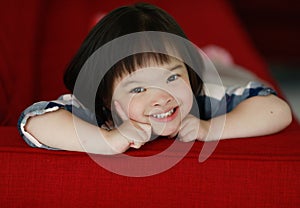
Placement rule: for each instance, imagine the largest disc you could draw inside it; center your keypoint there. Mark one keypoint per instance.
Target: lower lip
(169, 118)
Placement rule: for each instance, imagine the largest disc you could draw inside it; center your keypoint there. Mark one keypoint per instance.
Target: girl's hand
(137, 134)
(193, 128)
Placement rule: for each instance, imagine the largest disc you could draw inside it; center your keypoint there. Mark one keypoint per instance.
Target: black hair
(119, 22)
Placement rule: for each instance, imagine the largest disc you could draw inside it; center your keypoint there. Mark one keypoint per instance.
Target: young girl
(145, 94)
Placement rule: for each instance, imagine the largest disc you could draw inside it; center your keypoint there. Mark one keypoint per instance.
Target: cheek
(188, 101)
(135, 109)
(124, 104)
(132, 106)
(185, 94)
(184, 87)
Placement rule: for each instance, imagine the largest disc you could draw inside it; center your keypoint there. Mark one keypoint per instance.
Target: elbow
(280, 114)
(289, 116)
(285, 115)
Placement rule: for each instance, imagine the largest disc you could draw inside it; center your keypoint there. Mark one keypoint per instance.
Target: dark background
(274, 27)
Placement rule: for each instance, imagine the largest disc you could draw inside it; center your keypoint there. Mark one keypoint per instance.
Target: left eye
(173, 77)
(138, 90)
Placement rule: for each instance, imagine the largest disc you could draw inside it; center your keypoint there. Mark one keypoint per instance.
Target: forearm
(62, 130)
(256, 116)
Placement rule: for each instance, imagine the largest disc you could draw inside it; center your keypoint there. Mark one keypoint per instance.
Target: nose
(161, 98)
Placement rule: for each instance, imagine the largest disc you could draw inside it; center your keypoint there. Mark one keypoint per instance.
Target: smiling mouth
(164, 115)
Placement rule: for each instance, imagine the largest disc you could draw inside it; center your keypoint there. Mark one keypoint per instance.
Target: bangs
(145, 49)
(141, 60)
(125, 67)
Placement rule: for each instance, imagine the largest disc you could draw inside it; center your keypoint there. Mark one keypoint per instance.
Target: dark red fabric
(37, 40)
(19, 43)
(254, 172)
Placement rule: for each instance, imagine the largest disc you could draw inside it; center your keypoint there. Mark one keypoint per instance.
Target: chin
(166, 132)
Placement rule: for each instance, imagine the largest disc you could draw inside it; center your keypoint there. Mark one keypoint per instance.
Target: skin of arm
(57, 129)
(256, 116)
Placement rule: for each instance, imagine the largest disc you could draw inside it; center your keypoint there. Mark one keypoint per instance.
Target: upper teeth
(163, 115)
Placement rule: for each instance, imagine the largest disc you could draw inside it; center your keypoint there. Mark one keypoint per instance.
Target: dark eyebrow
(176, 67)
(130, 82)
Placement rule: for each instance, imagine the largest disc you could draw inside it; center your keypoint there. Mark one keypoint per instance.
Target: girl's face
(159, 95)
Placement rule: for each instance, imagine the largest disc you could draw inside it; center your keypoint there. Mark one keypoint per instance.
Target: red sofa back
(38, 39)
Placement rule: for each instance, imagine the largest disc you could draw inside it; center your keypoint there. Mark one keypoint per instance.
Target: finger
(188, 137)
(136, 134)
(120, 111)
(174, 135)
(136, 145)
(184, 128)
(188, 132)
(147, 130)
(143, 130)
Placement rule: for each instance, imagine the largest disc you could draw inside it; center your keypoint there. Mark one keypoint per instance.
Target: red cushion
(254, 172)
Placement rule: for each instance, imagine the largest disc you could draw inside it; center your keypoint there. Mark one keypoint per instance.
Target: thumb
(144, 130)
(120, 111)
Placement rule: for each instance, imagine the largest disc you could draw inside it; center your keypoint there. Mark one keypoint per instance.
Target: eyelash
(141, 89)
(173, 78)
(138, 90)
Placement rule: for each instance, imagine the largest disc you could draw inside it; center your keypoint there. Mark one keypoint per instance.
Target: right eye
(137, 90)
(173, 78)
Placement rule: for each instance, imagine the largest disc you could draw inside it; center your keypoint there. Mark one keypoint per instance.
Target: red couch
(38, 38)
